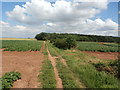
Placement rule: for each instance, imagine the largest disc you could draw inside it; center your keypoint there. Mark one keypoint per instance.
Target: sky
(26, 19)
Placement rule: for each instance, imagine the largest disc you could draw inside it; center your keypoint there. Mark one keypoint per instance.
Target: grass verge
(88, 74)
(47, 76)
(68, 80)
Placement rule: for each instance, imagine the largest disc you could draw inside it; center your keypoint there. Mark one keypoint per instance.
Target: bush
(41, 36)
(67, 43)
(9, 78)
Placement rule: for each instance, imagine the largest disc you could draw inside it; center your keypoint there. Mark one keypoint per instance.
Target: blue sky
(110, 13)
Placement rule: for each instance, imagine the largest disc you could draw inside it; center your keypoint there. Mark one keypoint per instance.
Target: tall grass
(78, 63)
(47, 75)
(65, 74)
(89, 75)
(68, 78)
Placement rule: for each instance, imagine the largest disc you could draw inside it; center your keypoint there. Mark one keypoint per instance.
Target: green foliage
(94, 46)
(99, 65)
(21, 45)
(78, 37)
(41, 36)
(67, 43)
(83, 70)
(89, 75)
(110, 68)
(65, 74)
(47, 77)
(68, 80)
(9, 78)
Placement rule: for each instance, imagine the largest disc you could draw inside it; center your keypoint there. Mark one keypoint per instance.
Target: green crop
(9, 78)
(94, 46)
(21, 45)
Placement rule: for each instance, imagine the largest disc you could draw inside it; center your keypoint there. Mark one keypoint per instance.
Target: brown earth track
(103, 55)
(53, 62)
(27, 63)
(76, 79)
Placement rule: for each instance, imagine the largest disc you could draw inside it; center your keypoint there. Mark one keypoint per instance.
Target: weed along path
(53, 62)
(77, 80)
(27, 63)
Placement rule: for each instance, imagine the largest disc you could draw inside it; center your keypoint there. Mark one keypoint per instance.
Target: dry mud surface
(104, 55)
(27, 63)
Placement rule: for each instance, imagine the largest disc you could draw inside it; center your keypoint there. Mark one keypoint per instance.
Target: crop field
(21, 45)
(51, 67)
(15, 39)
(95, 46)
(80, 69)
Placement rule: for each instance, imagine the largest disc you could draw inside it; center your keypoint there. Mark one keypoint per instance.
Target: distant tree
(71, 43)
(66, 43)
(41, 36)
(77, 37)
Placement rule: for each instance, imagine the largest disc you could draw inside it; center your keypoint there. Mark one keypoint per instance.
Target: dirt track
(53, 62)
(27, 63)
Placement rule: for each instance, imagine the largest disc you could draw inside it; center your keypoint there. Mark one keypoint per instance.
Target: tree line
(77, 37)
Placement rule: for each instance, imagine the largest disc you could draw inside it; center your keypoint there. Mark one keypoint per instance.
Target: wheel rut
(81, 85)
(53, 62)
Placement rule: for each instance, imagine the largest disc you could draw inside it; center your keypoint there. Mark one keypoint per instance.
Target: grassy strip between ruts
(85, 71)
(47, 76)
(65, 74)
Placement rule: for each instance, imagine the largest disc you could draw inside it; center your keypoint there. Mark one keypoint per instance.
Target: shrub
(9, 78)
(41, 36)
(67, 43)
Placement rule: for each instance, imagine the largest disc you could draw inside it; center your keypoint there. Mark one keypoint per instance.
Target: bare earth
(27, 63)
(103, 55)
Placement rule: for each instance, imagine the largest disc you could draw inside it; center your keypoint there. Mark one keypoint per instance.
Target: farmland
(21, 45)
(51, 67)
(96, 46)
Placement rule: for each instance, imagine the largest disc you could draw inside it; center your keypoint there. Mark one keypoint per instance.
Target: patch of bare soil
(58, 79)
(27, 63)
(103, 55)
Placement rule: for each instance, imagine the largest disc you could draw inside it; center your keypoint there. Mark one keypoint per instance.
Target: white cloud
(40, 11)
(51, 24)
(96, 27)
(61, 16)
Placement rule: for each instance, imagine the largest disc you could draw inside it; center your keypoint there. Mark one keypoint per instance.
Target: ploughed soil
(27, 63)
(103, 55)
